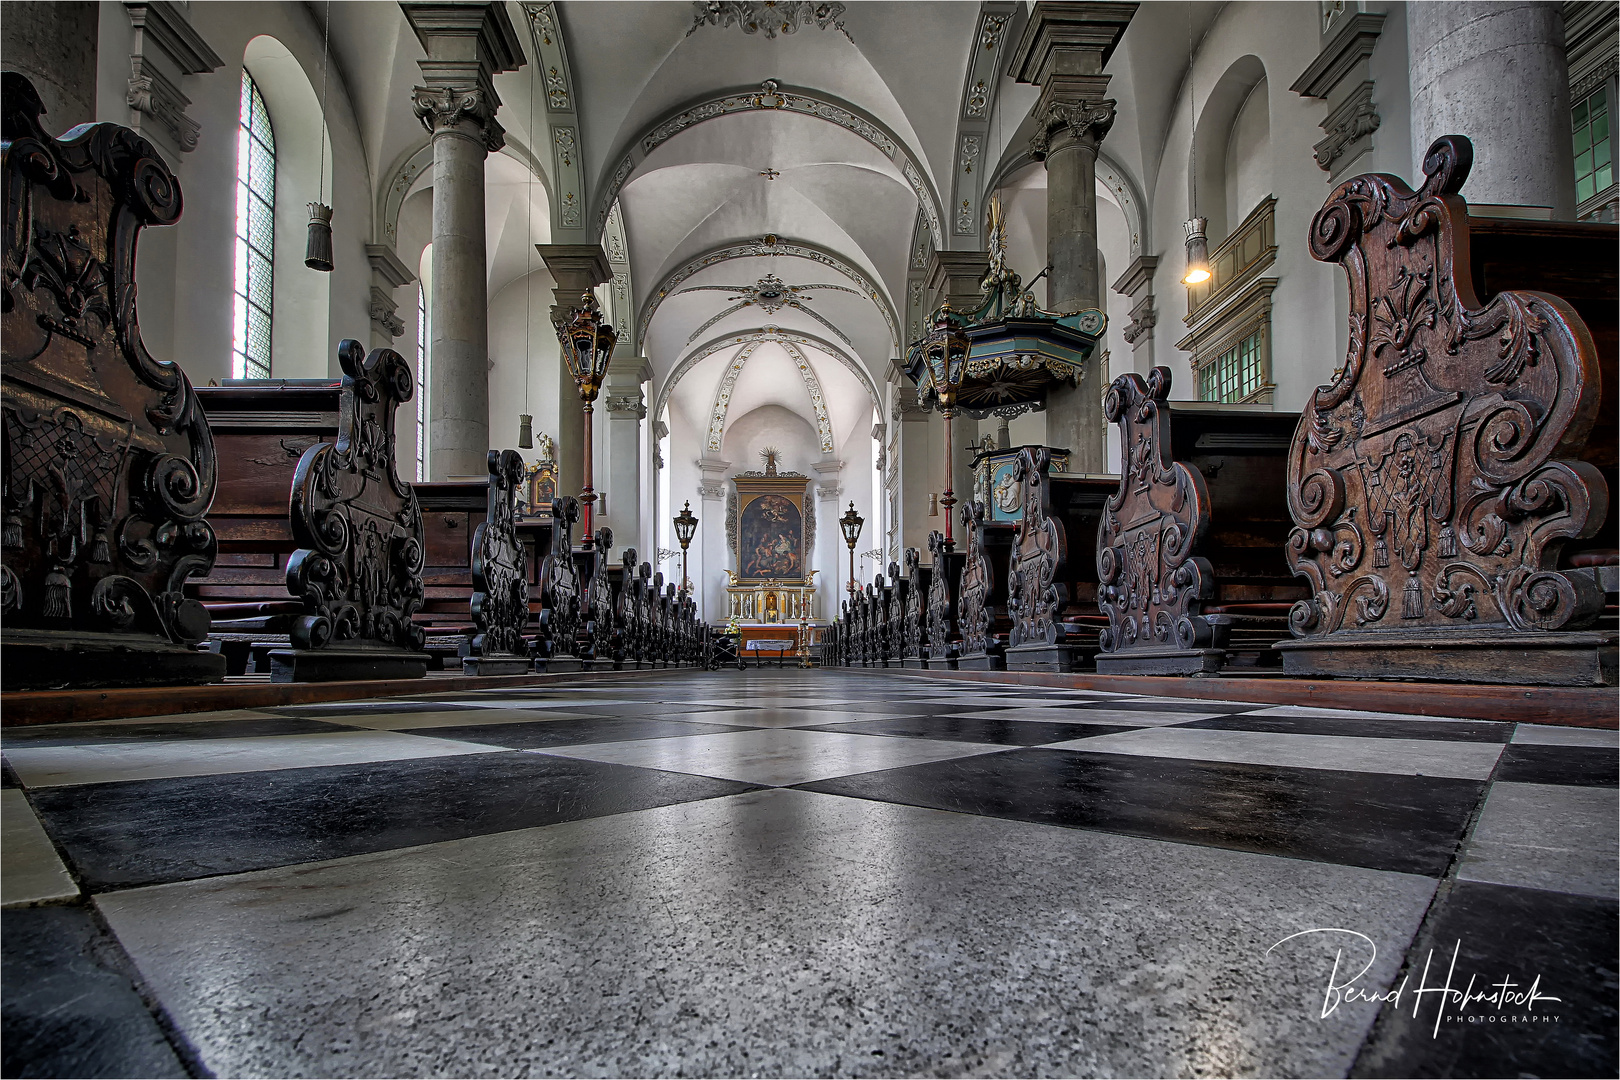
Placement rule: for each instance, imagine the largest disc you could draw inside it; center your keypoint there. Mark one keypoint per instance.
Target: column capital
(466, 45)
(1085, 122)
(387, 265)
(713, 484)
(1068, 38)
(463, 110)
(577, 269)
(384, 312)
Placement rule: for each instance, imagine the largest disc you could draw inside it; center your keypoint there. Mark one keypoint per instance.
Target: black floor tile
(533, 735)
(365, 708)
(650, 709)
(1133, 705)
(143, 832)
(974, 729)
(1384, 822)
(1581, 766)
(8, 778)
(69, 1009)
(245, 728)
(1568, 941)
(1433, 730)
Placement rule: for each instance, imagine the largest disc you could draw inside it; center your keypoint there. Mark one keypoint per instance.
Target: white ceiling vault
(767, 185)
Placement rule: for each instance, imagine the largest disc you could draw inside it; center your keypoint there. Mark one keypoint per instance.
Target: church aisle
(801, 873)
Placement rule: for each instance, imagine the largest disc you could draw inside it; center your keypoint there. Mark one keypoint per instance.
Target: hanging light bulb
(1197, 251)
(525, 431)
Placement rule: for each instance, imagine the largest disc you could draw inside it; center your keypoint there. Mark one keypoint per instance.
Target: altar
(770, 602)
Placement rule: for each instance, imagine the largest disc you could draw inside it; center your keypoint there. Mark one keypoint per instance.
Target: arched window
(421, 384)
(255, 235)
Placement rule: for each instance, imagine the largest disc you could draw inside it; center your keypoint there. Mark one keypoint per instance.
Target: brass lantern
(587, 345)
(686, 524)
(945, 352)
(851, 524)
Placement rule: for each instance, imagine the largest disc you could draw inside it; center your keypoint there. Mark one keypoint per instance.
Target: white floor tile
(57, 766)
(1550, 735)
(776, 757)
(1546, 836)
(30, 870)
(1407, 757)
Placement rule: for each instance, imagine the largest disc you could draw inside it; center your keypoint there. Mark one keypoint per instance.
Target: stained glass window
(421, 383)
(255, 235)
(1235, 374)
(1594, 158)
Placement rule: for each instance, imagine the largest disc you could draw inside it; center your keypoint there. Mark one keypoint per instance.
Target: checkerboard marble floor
(803, 874)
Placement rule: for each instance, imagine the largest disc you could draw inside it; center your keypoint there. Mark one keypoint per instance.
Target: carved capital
(1086, 122)
(445, 108)
(153, 95)
(1354, 119)
(623, 405)
(383, 312)
(1144, 318)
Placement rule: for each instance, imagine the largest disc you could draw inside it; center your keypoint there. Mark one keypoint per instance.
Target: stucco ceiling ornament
(767, 17)
(771, 294)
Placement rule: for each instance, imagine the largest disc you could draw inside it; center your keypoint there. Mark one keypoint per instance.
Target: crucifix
(770, 174)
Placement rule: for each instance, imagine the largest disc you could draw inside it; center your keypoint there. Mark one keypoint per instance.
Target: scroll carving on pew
(899, 603)
(913, 633)
(627, 612)
(981, 605)
(500, 599)
(1432, 484)
(358, 569)
(944, 639)
(1039, 549)
(1151, 585)
(607, 643)
(557, 643)
(109, 463)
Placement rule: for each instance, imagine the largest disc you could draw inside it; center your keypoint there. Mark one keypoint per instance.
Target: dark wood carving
(982, 606)
(1151, 585)
(500, 599)
(944, 639)
(914, 631)
(626, 611)
(899, 602)
(557, 642)
(607, 640)
(1432, 483)
(109, 464)
(358, 569)
(1040, 547)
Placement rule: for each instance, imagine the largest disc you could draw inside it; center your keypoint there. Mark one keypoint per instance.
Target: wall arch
(301, 305)
(764, 333)
(1212, 136)
(721, 408)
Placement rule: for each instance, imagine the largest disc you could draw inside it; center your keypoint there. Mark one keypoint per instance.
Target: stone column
(1063, 50)
(712, 555)
(1495, 72)
(576, 269)
(388, 272)
(829, 540)
(467, 44)
(626, 407)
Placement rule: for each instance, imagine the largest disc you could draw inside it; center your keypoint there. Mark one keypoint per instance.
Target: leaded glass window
(1594, 158)
(255, 235)
(421, 383)
(1234, 374)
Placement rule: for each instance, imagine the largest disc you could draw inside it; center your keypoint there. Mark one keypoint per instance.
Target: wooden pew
(110, 465)
(1437, 484)
(895, 627)
(1191, 557)
(1052, 567)
(914, 633)
(500, 597)
(944, 583)
(984, 618)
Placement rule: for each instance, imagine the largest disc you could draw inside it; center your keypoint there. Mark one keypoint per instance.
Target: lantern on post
(587, 345)
(945, 352)
(686, 524)
(851, 524)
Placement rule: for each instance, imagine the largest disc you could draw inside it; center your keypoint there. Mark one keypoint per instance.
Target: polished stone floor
(807, 873)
